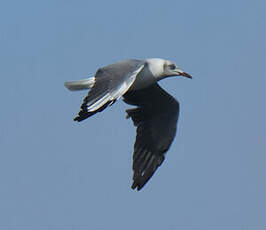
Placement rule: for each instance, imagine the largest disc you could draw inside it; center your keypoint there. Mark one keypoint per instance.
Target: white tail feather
(80, 84)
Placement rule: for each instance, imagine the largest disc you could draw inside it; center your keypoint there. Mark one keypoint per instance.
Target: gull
(155, 113)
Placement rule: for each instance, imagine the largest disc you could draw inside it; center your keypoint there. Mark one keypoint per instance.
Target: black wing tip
(84, 114)
(139, 186)
(140, 180)
(78, 119)
(82, 117)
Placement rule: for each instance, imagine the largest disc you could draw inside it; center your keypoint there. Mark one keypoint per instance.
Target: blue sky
(58, 174)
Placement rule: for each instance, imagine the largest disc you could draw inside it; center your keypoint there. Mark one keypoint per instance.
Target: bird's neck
(156, 67)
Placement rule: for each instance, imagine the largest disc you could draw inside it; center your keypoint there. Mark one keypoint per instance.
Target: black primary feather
(156, 118)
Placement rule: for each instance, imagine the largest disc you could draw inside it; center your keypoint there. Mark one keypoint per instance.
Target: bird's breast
(143, 80)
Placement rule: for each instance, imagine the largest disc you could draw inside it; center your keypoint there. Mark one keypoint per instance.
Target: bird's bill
(179, 72)
(186, 75)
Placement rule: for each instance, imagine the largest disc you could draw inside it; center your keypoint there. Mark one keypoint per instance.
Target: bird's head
(161, 68)
(171, 69)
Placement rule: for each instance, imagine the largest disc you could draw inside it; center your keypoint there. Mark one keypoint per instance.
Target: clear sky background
(58, 174)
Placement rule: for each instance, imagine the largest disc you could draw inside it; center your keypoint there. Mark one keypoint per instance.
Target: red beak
(186, 75)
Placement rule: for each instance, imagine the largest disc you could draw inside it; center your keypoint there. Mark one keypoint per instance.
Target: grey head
(154, 70)
(161, 68)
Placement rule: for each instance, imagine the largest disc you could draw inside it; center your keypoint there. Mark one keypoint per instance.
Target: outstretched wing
(111, 82)
(156, 118)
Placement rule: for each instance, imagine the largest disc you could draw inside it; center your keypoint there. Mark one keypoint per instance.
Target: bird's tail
(80, 84)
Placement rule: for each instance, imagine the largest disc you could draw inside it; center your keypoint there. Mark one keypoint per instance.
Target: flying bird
(155, 113)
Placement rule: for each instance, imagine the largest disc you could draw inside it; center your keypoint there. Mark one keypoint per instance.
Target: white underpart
(116, 93)
(156, 66)
(80, 84)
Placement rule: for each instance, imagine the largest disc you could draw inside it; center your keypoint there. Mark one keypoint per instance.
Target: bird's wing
(156, 118)
(111, 82)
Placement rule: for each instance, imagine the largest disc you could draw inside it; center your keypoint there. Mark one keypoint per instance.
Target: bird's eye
(172, 66)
